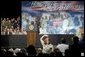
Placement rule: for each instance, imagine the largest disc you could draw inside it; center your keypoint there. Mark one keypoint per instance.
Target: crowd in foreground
(76, 49)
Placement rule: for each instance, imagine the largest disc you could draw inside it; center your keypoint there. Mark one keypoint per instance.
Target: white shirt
(62, 47)
(47, 48)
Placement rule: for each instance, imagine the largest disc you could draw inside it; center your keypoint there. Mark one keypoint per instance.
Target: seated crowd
(11, 26)
(62, 49)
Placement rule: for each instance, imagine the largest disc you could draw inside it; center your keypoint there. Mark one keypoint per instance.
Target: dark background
(10, 8)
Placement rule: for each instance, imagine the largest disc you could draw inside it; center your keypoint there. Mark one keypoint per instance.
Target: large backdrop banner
(53, 17)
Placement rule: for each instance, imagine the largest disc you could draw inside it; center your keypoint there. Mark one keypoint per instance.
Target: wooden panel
(31, 38)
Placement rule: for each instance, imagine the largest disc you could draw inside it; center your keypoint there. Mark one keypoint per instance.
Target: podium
(31, 38)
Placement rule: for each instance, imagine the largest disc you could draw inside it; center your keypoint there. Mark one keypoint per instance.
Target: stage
(22, 41)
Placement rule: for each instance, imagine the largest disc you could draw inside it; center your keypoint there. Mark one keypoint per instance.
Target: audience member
(47, 47)
(75, 47)
(81, 43)
(63, 46)
(31, 50)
